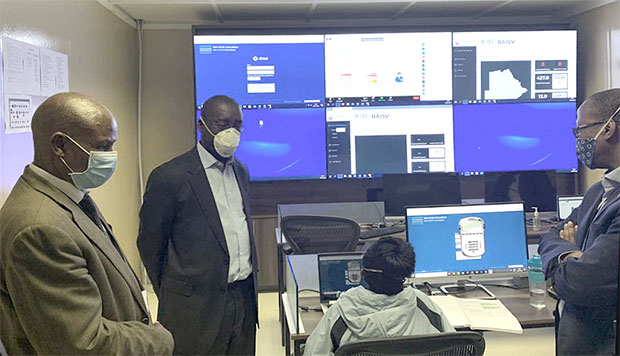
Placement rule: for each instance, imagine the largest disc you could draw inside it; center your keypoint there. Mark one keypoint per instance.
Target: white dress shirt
(67, 188)
(610, 182)
(229, 202)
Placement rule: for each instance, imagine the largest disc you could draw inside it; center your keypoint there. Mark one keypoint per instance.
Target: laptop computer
(338, 272)
(566, 205)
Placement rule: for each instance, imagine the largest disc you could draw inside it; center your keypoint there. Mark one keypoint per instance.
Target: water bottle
(536, 225)
(538, 287)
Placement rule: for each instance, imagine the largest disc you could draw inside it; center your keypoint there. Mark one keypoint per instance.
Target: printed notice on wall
(22, 69)
(18, 114)
(54, 72)
(30, 75)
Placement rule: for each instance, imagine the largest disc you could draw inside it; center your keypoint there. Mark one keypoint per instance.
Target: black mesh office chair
(307, 234)
(462, 343)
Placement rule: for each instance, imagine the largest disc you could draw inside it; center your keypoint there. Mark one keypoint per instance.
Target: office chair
(308, 234)
(462, 343)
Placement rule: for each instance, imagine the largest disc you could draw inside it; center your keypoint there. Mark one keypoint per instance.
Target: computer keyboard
(381, 231)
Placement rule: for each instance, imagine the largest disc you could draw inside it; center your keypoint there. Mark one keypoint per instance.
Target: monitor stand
(464, 284)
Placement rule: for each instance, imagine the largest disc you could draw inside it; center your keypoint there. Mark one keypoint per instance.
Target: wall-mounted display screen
(363, 105)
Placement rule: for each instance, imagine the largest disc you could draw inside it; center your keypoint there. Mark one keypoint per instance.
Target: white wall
(102, 52)
(598, 69)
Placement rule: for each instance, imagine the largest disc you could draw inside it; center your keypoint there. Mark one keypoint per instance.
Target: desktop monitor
(460, 242)
(534, 189)
(566, 205)
(401, 190)
(339, 272)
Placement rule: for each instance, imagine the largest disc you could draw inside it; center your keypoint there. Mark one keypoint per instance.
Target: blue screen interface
(465, 240)
(261, 73)
(535, 136)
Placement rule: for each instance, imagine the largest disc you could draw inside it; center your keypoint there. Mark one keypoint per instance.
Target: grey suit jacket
(183, 247)
(64, 288)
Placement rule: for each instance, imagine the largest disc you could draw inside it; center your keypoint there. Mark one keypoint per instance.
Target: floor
(538, 341)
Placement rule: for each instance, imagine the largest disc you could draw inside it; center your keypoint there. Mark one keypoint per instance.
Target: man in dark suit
(581, 253)
(65, 285)
(196, 240)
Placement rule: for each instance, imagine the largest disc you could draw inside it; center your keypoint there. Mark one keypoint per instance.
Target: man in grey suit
(580, 254)
(196, 240)
(65, 285)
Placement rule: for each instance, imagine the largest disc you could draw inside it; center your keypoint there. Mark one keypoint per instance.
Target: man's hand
(569, 232)
(575, 254)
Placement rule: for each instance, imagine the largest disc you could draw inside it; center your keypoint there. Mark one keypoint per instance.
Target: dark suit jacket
(589, 284)
(183, 247)
(64, 288)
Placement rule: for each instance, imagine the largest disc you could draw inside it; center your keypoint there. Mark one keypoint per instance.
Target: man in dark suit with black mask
(581, 253)
(196, 240)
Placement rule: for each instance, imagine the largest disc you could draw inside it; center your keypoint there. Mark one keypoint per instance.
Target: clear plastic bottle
(538, 287)
(536, 226)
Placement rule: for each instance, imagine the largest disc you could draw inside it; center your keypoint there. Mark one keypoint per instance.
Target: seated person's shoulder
(421, 296)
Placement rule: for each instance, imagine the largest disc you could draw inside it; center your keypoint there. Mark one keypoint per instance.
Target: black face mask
(379, 283)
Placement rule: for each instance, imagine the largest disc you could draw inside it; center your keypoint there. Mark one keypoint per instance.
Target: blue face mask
(101, 167)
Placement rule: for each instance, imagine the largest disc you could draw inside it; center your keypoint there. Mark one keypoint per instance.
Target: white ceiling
(315, 13)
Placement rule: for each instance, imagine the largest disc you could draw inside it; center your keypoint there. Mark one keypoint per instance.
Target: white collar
(614, 175)
(208, 160)
(67, 188)
(611, 180)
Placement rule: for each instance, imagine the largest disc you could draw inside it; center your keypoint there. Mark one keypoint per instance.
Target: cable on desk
(511, 286)
(465, 290)
(309, 290)
(307, 309)
(430, 287)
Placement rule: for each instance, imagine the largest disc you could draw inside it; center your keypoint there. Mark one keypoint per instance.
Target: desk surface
(516, 300)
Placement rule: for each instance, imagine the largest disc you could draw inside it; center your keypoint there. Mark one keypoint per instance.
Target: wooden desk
(516, 300)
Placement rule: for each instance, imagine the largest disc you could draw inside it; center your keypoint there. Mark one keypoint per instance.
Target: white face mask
(101, 167)
(226, 141)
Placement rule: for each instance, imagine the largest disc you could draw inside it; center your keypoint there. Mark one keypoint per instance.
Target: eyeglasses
(577, 129)
(224, 125)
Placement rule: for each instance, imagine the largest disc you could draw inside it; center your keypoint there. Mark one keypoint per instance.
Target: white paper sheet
(22, 67)
(451, 309)
(490, 315)
(54, 72)
(478, 314)
(18, 113)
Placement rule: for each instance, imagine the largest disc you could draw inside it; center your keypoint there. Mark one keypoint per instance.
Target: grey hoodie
(371, 315)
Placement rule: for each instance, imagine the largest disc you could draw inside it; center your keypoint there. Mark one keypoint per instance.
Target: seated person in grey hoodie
(385, 309)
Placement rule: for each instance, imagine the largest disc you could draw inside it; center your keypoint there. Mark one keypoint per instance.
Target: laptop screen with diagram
(339, 272)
